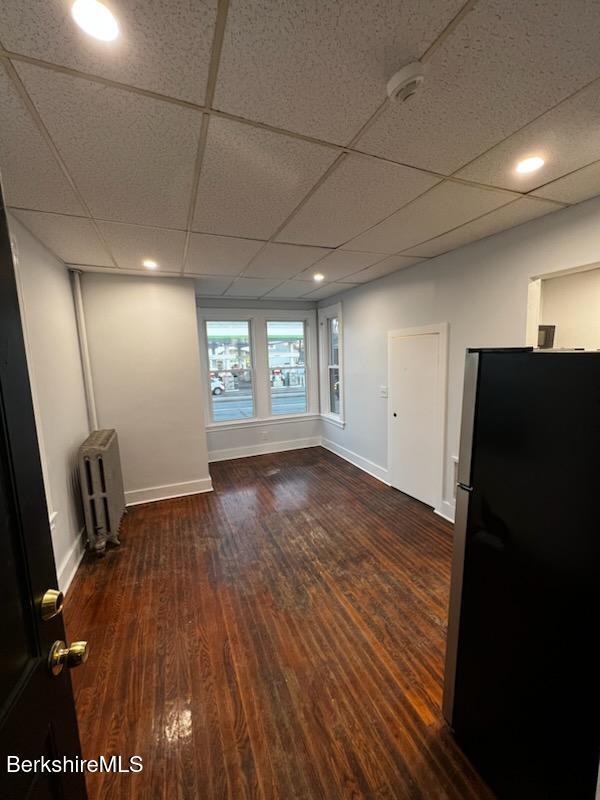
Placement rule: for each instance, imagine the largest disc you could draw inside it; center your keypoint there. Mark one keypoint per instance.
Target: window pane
(334, 390)
(287, 367)
(230, 365)
(334, 340)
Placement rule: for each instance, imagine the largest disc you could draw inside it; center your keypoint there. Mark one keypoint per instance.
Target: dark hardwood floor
(281, 637)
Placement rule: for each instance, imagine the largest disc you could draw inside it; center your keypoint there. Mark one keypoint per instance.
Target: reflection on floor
(281, 637)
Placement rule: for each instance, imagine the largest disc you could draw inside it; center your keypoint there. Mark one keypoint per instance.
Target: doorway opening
(562, 312)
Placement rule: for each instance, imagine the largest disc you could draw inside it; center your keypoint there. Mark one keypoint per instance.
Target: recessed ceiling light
(530, 164)
(318, 276)
(149, 263)
(95, 18)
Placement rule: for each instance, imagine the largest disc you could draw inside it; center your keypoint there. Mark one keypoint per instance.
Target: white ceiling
(249, 143)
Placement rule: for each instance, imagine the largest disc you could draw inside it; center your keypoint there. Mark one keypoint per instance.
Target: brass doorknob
(63, 656)
(52, 603)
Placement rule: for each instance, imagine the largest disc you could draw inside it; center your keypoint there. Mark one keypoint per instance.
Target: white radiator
(102, 488)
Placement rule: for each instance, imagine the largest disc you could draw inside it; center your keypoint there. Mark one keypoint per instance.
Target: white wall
(237, 441)
(143, 344)
(572, 303)
(57, 387)
(481, 290)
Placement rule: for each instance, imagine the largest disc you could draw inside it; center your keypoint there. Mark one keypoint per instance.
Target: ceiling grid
(366, 185)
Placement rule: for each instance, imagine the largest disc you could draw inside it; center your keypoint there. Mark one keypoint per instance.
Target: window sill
(332, 419)
(231, 425)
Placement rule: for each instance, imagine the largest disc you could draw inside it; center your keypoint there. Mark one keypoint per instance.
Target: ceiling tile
(163, 47)
(290, 290)
(131, 244)
(360, 192)
(321, 68)
(211, 287)
(574, 188)
(503, 65)
(284, 260)
(72, 239)
(503, 218)
(31, 177)
(131, 157)
(385, 267)
(342, 263)
(444, 207)
(252, 178)
(219, 255)
(566, 138)
(328, 290)
(250, 287)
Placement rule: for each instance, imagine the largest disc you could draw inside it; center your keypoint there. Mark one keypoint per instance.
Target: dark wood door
(37, 711)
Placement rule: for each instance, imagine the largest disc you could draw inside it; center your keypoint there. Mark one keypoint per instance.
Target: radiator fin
(101, 488)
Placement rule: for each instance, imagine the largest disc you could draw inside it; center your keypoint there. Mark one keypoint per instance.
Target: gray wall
(57, 387)
(143, 344)
(481, 290)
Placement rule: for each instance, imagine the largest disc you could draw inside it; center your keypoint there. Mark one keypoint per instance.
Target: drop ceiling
(249, 144)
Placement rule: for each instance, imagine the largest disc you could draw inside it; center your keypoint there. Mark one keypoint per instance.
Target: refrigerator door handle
(456, 585)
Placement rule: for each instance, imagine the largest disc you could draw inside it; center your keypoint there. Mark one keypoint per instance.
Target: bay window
(333, 367)
(259, 364)
(287, 368)
(331, 378)
(229, 369)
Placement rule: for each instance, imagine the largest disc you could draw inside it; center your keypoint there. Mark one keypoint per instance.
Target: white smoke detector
(404, 83)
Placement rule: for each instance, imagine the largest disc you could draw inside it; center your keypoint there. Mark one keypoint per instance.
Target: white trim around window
(326, 315)
(257, 319)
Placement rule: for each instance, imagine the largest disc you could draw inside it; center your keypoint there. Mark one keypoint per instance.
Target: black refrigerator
(522, 678)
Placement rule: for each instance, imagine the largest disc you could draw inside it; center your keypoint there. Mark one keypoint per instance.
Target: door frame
(38, 711)
(441, 329)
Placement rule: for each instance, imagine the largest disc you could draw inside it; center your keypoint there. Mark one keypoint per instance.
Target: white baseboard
(446, 510)
(68, 566)
(263, 449)
(370, 467)
(137, 496)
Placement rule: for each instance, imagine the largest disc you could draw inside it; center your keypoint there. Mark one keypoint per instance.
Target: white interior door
(415, 440)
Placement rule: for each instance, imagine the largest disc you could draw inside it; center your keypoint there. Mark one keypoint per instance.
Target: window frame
(325, 314)
(306, 368)
(261, 390)
(209, 407)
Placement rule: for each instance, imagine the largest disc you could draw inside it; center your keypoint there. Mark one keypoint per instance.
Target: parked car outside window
(217, 384)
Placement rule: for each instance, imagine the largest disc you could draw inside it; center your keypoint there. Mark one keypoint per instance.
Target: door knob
(63, 656)
(52, 604)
